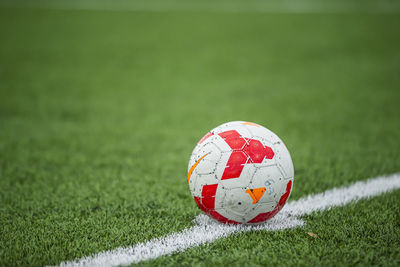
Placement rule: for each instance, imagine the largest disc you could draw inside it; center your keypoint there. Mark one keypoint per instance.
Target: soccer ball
(240, 172)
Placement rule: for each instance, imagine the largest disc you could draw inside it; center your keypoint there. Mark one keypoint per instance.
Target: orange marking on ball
(256, 193)
(194, 166)
(251, 123)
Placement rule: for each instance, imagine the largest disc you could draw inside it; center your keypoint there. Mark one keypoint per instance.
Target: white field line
(289, 6)
(207, 230)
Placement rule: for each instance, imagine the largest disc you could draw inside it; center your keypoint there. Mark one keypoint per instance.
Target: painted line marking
(284, 7)
(207, 230)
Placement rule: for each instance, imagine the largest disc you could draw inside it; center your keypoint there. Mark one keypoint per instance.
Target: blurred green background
(102, 102)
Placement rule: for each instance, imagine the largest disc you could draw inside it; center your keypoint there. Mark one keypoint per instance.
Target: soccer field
(101, 104)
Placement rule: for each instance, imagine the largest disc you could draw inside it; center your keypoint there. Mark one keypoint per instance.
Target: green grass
(99, 112)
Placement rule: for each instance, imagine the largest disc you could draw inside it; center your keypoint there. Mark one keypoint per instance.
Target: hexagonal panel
(237, 200)
(282, 157)
(272, 179)
(207, 159)
(263, 133)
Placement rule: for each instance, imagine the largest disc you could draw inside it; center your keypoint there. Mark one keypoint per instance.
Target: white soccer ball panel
(262, 132)
(271, 179)
(283, 159)
(237, 201)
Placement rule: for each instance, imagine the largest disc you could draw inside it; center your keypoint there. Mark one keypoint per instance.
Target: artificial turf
(99, 112)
